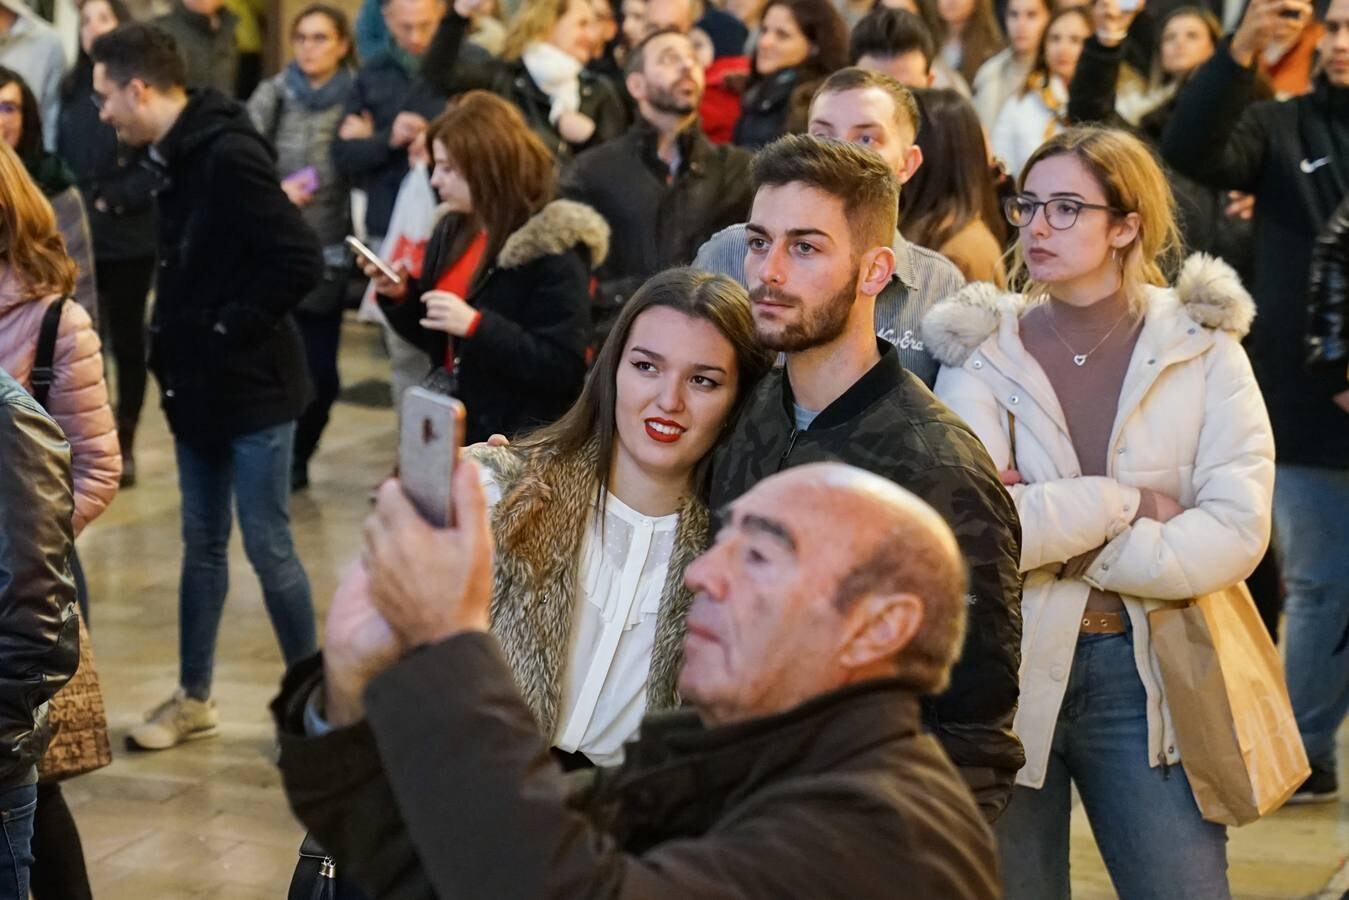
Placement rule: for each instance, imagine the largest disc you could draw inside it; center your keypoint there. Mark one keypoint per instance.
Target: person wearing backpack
(298, 111)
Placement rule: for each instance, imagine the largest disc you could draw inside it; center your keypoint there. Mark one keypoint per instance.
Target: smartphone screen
(431, 433)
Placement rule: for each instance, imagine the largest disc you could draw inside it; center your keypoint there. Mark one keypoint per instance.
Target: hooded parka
(1191, 424)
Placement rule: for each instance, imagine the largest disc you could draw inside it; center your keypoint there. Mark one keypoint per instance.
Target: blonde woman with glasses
(1135, 443)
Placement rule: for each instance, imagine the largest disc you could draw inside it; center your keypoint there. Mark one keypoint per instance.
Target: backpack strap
(43, 374)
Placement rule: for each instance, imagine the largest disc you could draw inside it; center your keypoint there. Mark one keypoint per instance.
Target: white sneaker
(177, 719)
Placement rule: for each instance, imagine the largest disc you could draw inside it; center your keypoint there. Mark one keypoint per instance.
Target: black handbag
(316, 877)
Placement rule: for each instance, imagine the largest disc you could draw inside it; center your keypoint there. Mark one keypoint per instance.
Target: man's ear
(884, 624)
(912, 160)
(877, 266)
(636, 83)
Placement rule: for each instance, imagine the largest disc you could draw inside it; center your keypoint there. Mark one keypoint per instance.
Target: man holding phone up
(1291, 156)
(235, 257)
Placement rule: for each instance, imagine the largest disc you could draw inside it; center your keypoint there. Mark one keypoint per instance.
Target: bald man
(830, 603)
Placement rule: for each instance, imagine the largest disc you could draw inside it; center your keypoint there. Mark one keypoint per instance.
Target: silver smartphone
(432, 432)
(366, 253)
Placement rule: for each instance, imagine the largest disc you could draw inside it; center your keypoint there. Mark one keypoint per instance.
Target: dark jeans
(255, 469)
(123, 285)
(17, 806)
(58, 872)
(321, 335)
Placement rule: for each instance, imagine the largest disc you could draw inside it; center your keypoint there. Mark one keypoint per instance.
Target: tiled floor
(209, 820)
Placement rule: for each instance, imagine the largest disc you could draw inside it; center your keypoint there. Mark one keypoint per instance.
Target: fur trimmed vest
(547, 504)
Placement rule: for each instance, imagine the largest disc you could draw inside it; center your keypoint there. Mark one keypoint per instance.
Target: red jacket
(721, 101)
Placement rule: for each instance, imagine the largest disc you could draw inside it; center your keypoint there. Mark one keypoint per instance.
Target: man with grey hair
(831, 601)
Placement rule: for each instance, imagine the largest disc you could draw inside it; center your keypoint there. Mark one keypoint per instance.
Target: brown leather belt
(1102, 623)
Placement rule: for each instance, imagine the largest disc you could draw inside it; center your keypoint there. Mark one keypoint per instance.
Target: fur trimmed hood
(1209, 291)
(555, 229)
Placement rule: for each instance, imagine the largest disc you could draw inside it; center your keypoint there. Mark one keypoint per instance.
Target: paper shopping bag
(1229, 704)
(414, 215)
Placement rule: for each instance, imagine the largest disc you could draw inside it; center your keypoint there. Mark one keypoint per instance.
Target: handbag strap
(44, 374)
(1011, 437)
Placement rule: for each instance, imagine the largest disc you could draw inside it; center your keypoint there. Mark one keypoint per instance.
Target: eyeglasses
(8, 108)
(1061, 213)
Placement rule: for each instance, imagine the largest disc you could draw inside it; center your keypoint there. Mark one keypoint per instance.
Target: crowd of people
(847, 384)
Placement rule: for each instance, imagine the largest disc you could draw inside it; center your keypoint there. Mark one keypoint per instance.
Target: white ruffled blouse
(625, 558)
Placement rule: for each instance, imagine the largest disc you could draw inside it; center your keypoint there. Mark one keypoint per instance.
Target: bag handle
(43, 373)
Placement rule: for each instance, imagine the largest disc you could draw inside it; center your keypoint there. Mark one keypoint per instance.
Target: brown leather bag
(78, 721)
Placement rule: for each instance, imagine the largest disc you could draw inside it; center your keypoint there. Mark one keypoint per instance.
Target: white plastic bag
(414, 215)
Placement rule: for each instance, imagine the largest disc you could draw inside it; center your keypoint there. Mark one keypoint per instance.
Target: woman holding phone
(298, 111)
(1136, 445)
(503, 300)
(596, 516)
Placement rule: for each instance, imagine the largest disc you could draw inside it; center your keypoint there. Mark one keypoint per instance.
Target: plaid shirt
(922, 277)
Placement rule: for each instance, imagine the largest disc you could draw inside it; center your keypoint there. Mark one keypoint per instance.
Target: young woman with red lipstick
(1137, 448)
(596, 516)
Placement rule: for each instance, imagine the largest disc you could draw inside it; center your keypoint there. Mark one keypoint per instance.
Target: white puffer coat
(1191, 423)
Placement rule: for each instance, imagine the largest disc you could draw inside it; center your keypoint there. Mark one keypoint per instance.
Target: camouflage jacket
(889, 423)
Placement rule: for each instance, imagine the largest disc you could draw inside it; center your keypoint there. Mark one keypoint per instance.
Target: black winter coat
(1290, 156)
(235, 257)
(383, 89)
(524, 364)
(774, 106)
(1204, 225)
(39, 629)
(1327, 342)
(656, 223)
(117, 185)
(889, 423)
(843, 796)
(600, 100)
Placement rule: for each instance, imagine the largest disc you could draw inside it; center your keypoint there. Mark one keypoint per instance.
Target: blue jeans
(16, 855)
(1146, 822)
(254, 467)
(1311, 526)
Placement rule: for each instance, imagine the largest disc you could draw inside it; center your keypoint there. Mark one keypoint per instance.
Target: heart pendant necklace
(1080, 359)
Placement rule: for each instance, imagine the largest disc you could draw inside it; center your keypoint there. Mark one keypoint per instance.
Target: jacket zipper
(788, 452)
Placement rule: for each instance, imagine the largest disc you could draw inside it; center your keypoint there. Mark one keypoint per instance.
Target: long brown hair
(30, 244)
(824, 28)
(509, 171)
(981, 38)
(1039, 73)
(697, 294)
(954, 186)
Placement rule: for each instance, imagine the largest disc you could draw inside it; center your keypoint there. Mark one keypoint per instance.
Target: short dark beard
(663, 100)
(821, 327)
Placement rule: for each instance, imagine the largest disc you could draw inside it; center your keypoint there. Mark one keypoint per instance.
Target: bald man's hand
(431, 583)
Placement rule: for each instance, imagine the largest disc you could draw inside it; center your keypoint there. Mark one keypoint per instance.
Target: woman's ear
(1126, 232)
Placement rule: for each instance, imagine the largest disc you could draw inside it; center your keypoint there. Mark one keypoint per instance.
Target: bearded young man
(664, 188)
(819, 252)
